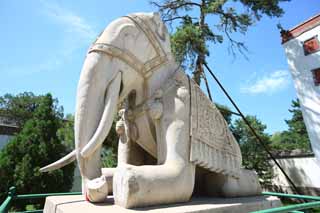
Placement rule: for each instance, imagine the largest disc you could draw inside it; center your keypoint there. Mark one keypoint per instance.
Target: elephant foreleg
(168, 183)
(172, 182)
(128, 152)
(99, 188)
(149, 185)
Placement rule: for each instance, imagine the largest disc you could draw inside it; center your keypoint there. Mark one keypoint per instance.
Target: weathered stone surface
(76, 203)
(130, 68)
(212, 144)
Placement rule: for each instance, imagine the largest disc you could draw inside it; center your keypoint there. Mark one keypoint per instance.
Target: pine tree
(35, 146)
(254, 156)
(296, 137)
(194, 32)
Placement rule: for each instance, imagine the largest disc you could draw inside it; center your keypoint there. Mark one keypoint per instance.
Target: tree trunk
(201, 56)
(198, 70)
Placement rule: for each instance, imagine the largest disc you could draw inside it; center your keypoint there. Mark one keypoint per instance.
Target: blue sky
(43, 45)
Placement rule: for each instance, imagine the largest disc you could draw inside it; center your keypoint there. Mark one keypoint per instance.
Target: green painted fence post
(6, 203)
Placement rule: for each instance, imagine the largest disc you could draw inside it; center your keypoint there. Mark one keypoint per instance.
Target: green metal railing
(4, 208)
(293, 208)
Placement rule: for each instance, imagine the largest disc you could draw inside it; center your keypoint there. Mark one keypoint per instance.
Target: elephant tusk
(105, 123)
(69, 158)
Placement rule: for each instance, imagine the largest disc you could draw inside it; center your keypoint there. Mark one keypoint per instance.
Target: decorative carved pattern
(161, 57)
(144, 68)
(123, 55)
(149, 33)
(212, 144)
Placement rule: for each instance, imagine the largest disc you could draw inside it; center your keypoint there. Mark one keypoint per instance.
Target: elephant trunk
(97, 97)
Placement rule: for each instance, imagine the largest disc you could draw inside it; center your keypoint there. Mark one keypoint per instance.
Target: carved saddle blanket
(212, 144)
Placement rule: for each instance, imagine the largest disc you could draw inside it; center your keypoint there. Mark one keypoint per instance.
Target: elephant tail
(69, 158)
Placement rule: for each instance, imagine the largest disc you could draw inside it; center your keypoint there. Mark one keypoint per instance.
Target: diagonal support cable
(207, 85)
(251, 128)
(210, 96)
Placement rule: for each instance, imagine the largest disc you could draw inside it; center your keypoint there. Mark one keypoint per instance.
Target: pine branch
(174, 4)
(175, 18)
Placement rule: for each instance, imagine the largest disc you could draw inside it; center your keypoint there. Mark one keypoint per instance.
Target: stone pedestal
(76, 203)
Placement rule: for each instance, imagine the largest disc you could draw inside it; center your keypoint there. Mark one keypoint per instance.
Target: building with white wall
(302, 48)
(303, 171)
(7, 129)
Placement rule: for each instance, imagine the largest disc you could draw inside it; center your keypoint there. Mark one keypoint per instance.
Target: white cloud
(71, 22)
(76, 32)
(268, 83)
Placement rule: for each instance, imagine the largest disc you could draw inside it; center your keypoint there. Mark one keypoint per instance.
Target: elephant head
(122, 59)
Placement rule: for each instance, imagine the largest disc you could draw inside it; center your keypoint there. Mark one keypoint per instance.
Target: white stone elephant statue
(173, 141)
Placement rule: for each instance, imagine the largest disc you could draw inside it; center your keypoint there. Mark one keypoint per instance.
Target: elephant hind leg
(246, 185)
(220, 185)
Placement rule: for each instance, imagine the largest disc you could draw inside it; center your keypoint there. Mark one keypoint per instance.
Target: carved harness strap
(145, 69)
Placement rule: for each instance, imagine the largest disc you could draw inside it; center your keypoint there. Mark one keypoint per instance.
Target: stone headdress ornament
(145, 69)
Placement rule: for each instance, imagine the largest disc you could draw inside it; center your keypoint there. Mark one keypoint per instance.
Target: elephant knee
(185, 180)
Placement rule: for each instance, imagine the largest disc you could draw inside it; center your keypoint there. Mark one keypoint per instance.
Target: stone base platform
(76, 203)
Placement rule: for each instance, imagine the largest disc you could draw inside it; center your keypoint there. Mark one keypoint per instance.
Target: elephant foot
(97, 190)
(125, 186)
(137, 186)
(108, 174)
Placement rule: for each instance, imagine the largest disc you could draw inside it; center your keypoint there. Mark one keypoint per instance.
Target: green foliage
(36, 145)
(226, 113)
(253, 154)
(110, 145)
(66, 132)
(21, 107)
(296, 137)
(193, 33)
(109, 157)
(189, 41)
(269, 7)
(110, 148)
(185, 43)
